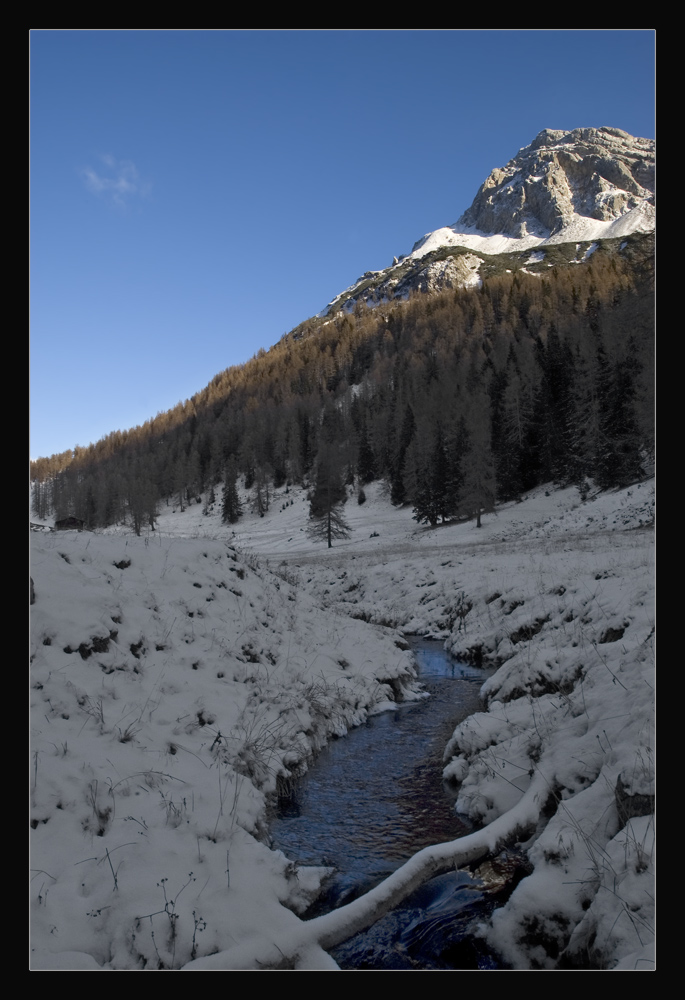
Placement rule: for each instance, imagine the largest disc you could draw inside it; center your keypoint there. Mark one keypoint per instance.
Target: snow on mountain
(582, 185)
(180, 679)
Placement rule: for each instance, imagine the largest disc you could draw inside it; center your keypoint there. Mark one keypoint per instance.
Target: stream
(373, 799)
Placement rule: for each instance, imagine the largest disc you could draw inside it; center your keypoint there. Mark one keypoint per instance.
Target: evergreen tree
(366, 463)
(209, 501)
(413, 469)
(305, 442)
(398, 490)
(457, 457)
(326, 521)
(434, 497)
(584, 421)
(478, 494)
(89, 506)
(559, 408)
(508, 443)
(231, 508)
(555, 407)
(261, 497)
(618, 456)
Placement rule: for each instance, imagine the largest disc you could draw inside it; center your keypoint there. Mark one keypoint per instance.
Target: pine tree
(555, 407)
(398, 489)
(366, 463)
(434, 497)
(231, 508)
(261, 498)
(457, 454)
(618, 456)
(584, 420)
(326, 521)
(209, 501)
(478, 493)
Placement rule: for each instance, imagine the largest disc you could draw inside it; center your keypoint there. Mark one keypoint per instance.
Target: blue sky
(195, 195)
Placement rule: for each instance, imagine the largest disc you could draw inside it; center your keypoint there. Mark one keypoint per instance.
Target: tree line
(458, 400)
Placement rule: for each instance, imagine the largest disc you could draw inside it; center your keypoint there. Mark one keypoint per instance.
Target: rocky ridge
(596, 174)
(583, 187)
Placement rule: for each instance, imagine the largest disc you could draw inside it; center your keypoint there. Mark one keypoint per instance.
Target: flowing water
(372, 800)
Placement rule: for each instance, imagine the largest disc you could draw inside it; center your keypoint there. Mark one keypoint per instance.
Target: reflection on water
(376, 797)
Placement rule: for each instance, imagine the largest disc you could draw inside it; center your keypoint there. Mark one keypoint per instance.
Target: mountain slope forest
(458, 399)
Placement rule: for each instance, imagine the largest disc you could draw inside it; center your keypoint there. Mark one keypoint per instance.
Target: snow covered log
(301, 946)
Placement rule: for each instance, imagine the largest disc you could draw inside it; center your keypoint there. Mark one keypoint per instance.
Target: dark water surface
(372, 800)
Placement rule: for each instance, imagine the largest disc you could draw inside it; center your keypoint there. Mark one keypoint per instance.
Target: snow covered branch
(300, 946)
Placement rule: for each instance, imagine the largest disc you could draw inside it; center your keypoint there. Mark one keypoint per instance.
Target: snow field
(209, 669)
(568, 611)
(171, 696)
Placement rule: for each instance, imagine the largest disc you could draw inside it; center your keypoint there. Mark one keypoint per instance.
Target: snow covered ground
(179, 679)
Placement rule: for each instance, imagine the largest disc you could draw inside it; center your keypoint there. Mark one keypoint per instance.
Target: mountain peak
(573, 187)
(591, 175)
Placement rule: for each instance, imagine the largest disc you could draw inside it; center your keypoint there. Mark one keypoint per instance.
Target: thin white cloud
(118, 180)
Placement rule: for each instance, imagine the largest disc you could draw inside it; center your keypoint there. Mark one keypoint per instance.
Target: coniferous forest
(458, 399)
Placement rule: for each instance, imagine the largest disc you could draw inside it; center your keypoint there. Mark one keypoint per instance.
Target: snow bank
(178, 683)
(560, 593)
(176, 688)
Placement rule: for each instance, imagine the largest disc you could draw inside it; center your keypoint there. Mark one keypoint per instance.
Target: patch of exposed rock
(596, 173)
(587, 185)
(454, 272)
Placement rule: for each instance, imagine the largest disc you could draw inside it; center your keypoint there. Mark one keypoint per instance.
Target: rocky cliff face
(596, 173)
(575, 188)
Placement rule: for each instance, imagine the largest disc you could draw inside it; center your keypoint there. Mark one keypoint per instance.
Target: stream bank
(373, 799)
